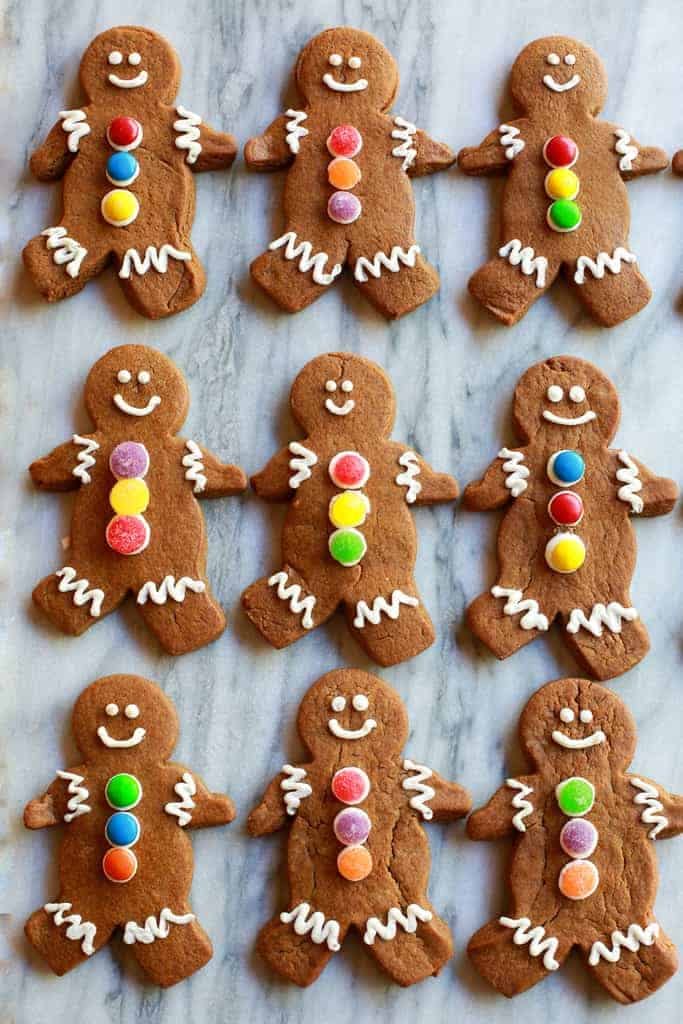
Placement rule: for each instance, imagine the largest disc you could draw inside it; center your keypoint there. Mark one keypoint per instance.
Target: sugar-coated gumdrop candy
(349, 509)
(575, 796)
(343, 173)
(350, 785)
(565, 552)
(347, 546)
(560, 151)
(344, 207)
(352, 826)
(129, 497)
(123, 791)
(578, 880)
(124, 133)
(566, 508)
(349, 470)
(354, 863)
(128, 535)
(566, 468)
(122, 829)
(564, 215)
(561, 183)
(120, 207)
(129, 459)
(578, 838)
(345, 140)
(119, 864)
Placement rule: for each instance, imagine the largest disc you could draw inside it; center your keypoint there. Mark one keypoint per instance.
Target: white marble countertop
(453, 369)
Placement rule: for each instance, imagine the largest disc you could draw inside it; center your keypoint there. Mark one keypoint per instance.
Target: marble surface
(454, 370)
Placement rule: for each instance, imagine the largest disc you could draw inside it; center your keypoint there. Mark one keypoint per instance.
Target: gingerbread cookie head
(136, 388)
(129, 60)
(559, 75)
(348, 65)
(124, 713)
(565, 396)
(341, 388)
(352, 711)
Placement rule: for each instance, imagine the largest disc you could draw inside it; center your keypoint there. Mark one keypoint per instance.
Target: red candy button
(345, 140)
(119, 864)
(124, 133)
(565, 508)
(350, 785)
(127, 535)
(560, 151)
(349, 470)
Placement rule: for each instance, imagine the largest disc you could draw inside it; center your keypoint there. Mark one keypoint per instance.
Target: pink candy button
(349, 470)
(128, 535)
(345, 140)
(350, 785)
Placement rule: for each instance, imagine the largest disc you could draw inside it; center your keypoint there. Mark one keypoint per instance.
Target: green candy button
(564, 215)
(347, 546)
(575, 796)
(123, 791)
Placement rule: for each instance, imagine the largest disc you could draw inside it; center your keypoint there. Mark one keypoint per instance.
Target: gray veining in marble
(454, 370)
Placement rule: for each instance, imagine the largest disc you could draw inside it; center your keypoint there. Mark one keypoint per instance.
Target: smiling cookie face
(563, 397)
(349, 65)
(130, 61)
(339, 389)
(125, 713)
(558, 73)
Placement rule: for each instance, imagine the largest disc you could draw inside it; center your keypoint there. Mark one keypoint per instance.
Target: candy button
(566, 508)
(347, 546)
(349, 509)
(350, 785)
(120, 207)
(129, 497)
(564, 215)
(122, 829)
(122, 168)
(123, 791)
(119, 865)
(575, 796)
(578, 880)
(560, 151)
(578, 838)
(352, 826)
(128, 535)
(561, 183)
(129, 459)
(566, 468)
(354, 863)
(345, 140)
(344, 208)
(565, 552)
(343, 173)
(124, 133)
(349, 470)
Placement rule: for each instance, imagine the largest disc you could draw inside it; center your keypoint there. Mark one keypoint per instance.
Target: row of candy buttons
(352, 825)
(579, 878)
(562, 184)
(120, 206)
(350, 471)
(343, 173)
(565, 552)
(122, 792)
(128, 532)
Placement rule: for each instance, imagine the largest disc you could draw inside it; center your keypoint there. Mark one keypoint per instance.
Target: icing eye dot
(330, 385)
(111, 710)
(338, 703)
(586, 715)
(567, 715)
(115, 57)
(123, 376)
(131, 711)
(577, 394)
(555, 393)
(347, 386)
(360, 702)
(336, 60)
(354, 62)
(134, 59)
(144, 377)
(570, 59)
(552, 58)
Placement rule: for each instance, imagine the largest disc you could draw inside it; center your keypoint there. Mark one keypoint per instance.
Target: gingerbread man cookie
(348, 537)
(566, 547)
(136, 526)
(348, 197)
(125, 861)
(127, 159)
(358, 856)
(565, 206)
(583, 871)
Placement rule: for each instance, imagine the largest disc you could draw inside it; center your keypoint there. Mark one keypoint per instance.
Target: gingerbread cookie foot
(609, 641)
(162, 280)
(64, 937)
(294, 272)
(391, 629)
(182, 612)
(283, 608)
(616, 295)
(508, 286)
(299, 943)
(396, 281)
(506, 620)
(633, 962)
(72, 600)
(169, 946)
(410, 944)
(60, 265)
(514, 954)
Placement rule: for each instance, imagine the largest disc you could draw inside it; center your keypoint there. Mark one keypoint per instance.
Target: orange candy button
(578, 880)
(354, 863)
(119, 864)
(343, 173)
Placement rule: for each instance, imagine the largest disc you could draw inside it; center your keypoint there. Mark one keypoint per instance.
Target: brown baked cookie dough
(566, 547)
(127, 158)
(565, 207)
(358, 857)
(348, 197)
(349, 537)
(125, 860)
(583, 871)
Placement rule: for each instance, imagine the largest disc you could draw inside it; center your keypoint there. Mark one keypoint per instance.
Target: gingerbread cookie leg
(633, 962)
(298, 943)
(608, 638)
(161, 279)
(181, 611)
(285, 606)
(60, 264)
(507, 619)
(410, 943)
(610, 285)
(515, 953)
(296, 270)
(508, 285)
(169, 946)
(72, 599)
(67, 932)
(395, 278)
(392, 626)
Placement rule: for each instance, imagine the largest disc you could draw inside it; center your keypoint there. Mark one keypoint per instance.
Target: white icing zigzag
(508, 139)
(66, 250)
(185, 789)
(79, 794)
(625, 149)
(157, 258)
(381, 607)
(653, 807)
(304, 459)
(524, 806)
(635, 938)
(610, 615)
(516, 474)
(392, 262)
(169, 588)
(533, 618)
(75, 123)
(631, 481)
(538, 945)
(294, 788)
(423, 793)
(194, 466)
(153, 929)
(406, 131)
(315, 923)
(78, 928)
(295, 131)
(603, 262)
(409, 477)
(526, 259)
(303, 251)
(408, 921)
(188, 125)
(292, 593)
(69, 582)
(84, 459)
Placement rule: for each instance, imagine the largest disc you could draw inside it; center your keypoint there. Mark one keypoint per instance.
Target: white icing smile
(552, 83)
(351, 734)
(336, 60)
(567, 715)
(567, 421)
(134, 410)
(110, 741)
(128, 83)
(340, 410)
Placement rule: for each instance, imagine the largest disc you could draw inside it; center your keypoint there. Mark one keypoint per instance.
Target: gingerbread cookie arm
(219, 149)
(209, 477)
(505, 478)
(196, 799)
(433, 797)
(635, 160)
(284, 472)
(505, 812)
(67, 466)
(430, 156)
(677, 162)
(50, 161)
(495, 153)
(270, 815)
(424, 485)
(63, 800)
(659, 811)
(646, 493)
(278, 145)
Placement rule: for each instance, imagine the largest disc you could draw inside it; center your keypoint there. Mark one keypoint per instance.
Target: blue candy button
(122, 168)
(122, 829)
(566, 468)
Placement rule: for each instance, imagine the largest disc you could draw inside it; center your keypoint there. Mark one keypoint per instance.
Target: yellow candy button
(129, 497)
(561, 183)
(349, 509)
(120, 207)
(343, 173)
(565, 552)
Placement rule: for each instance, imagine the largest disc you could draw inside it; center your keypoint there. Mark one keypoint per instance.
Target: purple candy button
(579, 838)
(129, 459)
(351, 826)
(344, 207)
